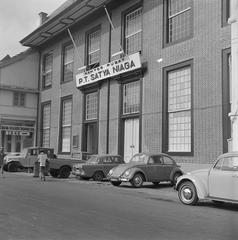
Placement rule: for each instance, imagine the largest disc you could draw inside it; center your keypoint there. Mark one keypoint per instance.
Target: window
(131, 97)
(68, 63)
(218, 164)
(91, 107)
(230, 164)
(225, 11)
(94, 48)
(107, 160)
(117, 159)
(178, 20)
(47, 70)
(19, 99)
(46, 111)
(66, 124)
(167, 161)
(133, 31)
(178, 114)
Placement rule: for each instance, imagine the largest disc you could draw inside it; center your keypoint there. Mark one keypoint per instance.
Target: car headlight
(110, 172)
(126, 173)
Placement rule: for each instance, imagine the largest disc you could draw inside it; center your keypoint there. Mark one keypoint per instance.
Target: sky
(18, 18)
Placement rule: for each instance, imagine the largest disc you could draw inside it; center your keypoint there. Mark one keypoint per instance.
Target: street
(72, 209)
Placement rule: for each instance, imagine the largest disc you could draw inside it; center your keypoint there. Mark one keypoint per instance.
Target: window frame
(63, 64)
(124, 14)
(87, 34)
(165, 117)
(19, 95)
(166, 42)
(42, 119)
(61, 127)
(43, 86)
(225, 12)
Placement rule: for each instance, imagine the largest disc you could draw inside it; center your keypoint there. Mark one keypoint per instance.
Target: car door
(107, 164)
(234, 189)
(155, 169)
(168, 167)
(220, 179)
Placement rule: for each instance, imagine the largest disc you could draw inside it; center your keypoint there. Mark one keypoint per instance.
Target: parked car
(146, 167)
(219, 183)
(97, 167)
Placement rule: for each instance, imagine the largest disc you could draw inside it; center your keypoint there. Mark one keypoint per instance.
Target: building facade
(18, 101)
(154, 79)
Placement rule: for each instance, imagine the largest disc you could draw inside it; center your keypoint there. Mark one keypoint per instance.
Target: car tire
(64, 172)
(98, 176)
(12, 167)
(187, 193)
(137, 180)
(175, 177)
(156, 183)
(54, 173)
(116, 184)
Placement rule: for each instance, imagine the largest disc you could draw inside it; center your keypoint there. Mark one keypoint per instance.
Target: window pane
(91, 106)
(46, 126)
(22, 99)
(179, 19)
(15, 98)
(131, 97)
(94, 51)
(68, 63)
(133, 31)
(67, 105)
(66, 135)
(47, 70)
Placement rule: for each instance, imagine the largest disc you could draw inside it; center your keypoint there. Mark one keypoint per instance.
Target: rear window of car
(116, 159)
(107, 160)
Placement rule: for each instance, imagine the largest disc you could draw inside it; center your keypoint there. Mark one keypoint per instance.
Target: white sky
(18, 18)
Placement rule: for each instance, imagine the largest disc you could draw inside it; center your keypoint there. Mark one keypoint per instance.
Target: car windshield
(93, 159)
(143, 158)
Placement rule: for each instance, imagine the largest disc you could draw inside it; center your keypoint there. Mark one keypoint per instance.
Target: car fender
(135, 170)
(202, 190)
(175, 170)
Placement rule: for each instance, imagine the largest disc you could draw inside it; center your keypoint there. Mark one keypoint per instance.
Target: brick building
(174, 99)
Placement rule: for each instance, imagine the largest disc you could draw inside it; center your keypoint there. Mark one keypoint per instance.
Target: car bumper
(118, 179)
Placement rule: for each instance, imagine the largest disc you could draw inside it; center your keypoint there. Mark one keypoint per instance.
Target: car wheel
(116, 183)
(187, 193)
(54, 173)
(98, 176)
(64, 172)
(12, 167)
(175, 177)
(156, 183)
(137, 180)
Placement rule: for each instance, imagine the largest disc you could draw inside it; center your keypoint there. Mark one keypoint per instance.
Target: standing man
(2, 155)
(42, 158)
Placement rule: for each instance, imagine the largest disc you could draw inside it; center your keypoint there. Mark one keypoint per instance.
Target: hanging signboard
(123, 65)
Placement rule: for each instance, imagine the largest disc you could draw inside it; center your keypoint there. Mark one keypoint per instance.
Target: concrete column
(234, 74)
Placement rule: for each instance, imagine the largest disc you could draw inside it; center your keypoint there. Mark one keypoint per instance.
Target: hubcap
(187, 193)
(138, 180)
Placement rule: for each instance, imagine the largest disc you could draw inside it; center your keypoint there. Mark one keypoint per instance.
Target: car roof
(153, 154)
(229, 154)
(106, 155)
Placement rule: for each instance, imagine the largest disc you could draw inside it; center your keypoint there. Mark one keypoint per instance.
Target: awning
(74, 13)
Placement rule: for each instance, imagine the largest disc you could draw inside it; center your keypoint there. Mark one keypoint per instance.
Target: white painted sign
(123, 65)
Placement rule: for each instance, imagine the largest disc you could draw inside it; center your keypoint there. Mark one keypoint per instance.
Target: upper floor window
(178, 20)
(46, 111)
(91, 106)
(94, 48)
(19, 99)
(133, 31)
(68, 63)
(225, 11)
(47, 70)
(131, 97)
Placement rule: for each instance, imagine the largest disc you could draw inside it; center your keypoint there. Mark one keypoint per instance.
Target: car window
(168, 161)
(155, 160)
(116, 159)
(107, 160)
(139, 158)
(218, 164)
(230, 164)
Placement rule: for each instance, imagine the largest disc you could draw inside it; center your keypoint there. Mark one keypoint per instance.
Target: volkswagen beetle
(146, 167)
(219, 183)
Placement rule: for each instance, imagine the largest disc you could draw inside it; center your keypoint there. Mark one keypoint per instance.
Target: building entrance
(131, 138)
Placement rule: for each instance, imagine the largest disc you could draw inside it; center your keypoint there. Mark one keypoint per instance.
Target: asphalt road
(73, 209)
